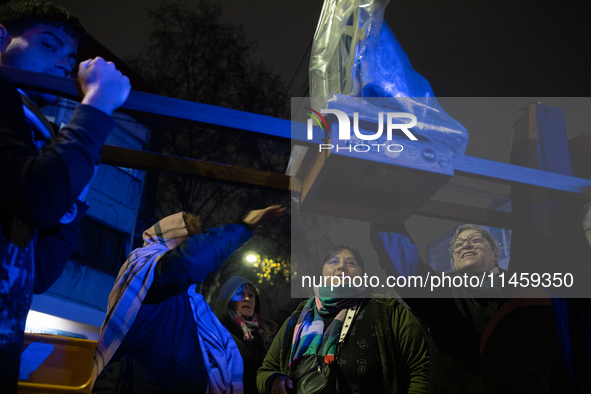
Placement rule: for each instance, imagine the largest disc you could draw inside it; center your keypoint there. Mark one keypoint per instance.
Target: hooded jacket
(252, 352)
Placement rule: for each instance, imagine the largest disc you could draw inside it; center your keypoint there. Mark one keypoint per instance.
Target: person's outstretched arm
(397, 253)
(201, 254)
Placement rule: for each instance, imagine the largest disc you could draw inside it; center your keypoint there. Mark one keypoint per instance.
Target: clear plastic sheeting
(355, 54)
(348, 32)
(435, 129)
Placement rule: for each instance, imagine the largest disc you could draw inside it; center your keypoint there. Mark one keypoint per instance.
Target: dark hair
(268, 327)
(485, 234)
(338, 249)
(20, 15)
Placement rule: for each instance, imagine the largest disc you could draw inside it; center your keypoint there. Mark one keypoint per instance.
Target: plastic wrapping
(436, 131)
(347, 33)
(355, 54)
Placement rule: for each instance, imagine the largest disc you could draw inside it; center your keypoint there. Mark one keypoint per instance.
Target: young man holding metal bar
(44, 174)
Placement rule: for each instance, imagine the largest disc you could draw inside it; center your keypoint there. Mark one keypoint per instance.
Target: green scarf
(309, 336)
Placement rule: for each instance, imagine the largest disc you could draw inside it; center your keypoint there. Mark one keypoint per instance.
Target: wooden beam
(204, 114)
(503, 172)
(157, 162)
(223, 118)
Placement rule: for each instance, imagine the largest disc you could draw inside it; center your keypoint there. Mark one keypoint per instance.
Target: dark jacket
(456, 321)
(401, 340)
(522, 344)
(252, 352)
(161, 352)
(37, 188)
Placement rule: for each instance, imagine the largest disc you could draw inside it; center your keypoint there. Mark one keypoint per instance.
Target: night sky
(468, 48)
(464, 48)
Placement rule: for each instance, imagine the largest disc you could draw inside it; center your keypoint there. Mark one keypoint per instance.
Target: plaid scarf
(220, 353)
(247, 326)
(309, 336)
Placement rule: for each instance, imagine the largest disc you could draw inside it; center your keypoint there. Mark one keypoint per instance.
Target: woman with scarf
(238, 309)
(160, 336)
(384, 351)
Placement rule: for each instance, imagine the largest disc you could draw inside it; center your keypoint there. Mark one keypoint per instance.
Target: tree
(193, 56)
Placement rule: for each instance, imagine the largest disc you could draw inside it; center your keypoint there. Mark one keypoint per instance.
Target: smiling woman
(473, 250)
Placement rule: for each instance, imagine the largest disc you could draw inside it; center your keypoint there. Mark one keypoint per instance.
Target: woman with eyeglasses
(473, 250)
(456, 316)
(483, 340)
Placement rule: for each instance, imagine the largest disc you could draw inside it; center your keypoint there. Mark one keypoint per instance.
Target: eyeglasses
(474, 239)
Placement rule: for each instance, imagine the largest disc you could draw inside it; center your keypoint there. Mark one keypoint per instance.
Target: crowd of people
(160, 336)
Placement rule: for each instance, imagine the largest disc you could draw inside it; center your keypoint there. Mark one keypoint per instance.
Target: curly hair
(19, 15)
